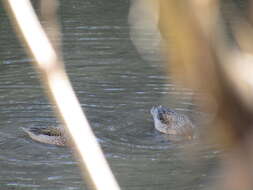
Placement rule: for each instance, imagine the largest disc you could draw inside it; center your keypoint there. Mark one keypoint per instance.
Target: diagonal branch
(61, 94)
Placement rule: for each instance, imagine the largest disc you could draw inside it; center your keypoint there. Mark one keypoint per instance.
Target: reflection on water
(116, 87)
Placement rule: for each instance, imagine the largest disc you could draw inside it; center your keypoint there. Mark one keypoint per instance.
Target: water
(116, 88)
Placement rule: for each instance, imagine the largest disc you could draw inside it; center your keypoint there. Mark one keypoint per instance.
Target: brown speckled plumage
(171, 122)
(48, 135)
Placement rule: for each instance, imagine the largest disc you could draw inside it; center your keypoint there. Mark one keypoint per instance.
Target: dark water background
(116, 87)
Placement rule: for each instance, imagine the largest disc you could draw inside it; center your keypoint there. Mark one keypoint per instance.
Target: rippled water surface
(116, 88)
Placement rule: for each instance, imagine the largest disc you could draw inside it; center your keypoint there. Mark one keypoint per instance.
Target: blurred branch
(48, 10)
(60, 91)
(201, 58)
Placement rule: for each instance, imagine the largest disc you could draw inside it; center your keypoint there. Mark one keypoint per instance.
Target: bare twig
(60, 91)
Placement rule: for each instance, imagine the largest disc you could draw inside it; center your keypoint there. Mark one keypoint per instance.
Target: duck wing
(50, 131)
(165, 115)
(164, 118)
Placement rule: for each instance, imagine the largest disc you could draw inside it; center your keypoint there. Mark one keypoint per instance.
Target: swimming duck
(166, 121)
(48, 135)
(171, 122)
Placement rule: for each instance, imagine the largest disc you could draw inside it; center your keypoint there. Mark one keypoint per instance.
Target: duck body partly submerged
(48, 135)
(166, 121)
(171, 122)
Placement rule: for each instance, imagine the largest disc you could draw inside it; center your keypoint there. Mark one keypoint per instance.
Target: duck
(49, 135)
(170, 122)
(166, 121)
